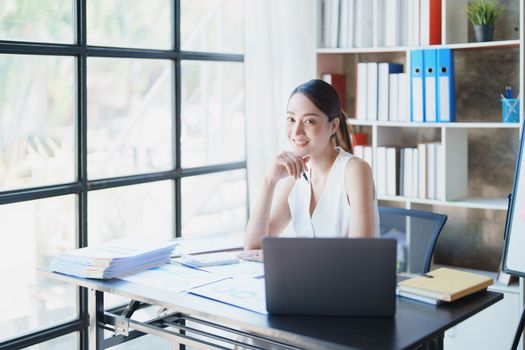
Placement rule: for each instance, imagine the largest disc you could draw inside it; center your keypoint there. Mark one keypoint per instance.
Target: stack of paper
(113, 259)
(443, 285)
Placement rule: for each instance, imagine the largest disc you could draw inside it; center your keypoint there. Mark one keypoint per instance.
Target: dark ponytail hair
(324, 97)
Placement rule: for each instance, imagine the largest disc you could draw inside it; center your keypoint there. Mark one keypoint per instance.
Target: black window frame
(81, 51)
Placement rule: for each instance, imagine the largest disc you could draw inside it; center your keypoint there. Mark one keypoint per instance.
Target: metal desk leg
(439, 341)
(96, 315)
(436, 343)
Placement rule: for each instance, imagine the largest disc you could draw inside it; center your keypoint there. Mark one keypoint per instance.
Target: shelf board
(468, 125)
(473, 203)
(462, 46)
(483, 45)
(363, 50)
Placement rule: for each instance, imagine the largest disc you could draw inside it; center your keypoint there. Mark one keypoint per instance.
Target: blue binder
(417, 87)
(446, 86)
(431, 85)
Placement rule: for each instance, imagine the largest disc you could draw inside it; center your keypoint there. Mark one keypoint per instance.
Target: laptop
(330, 276)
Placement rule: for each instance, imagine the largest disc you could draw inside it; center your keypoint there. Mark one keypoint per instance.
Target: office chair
(416, 232)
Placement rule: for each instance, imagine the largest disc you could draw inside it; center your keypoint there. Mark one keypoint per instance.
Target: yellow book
(445, 284)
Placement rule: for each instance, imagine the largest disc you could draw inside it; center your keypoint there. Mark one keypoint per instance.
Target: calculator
(210, 259)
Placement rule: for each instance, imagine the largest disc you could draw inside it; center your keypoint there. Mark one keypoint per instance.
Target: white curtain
(279, 55)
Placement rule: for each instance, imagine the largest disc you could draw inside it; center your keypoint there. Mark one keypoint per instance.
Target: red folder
(338, 81)
(435, 22)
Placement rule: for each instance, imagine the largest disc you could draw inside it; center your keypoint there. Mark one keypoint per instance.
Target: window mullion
(81, 85)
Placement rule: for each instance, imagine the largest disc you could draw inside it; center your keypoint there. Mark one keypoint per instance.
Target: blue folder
(446, 86)
(431, 85)
(417, 86)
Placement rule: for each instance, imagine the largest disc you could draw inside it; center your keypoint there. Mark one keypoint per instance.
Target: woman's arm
(264, 220)
(359, 184)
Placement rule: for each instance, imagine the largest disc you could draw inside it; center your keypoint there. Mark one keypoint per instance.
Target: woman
(327, 191)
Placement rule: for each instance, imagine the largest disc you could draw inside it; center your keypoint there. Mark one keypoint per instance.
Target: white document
(371, 94)
(119, 249)
(413, 22)
(382, 91)
(402, 23)
(351, 23)
(363, 23)
(431, 171)
(173, 277)
(403, 104)
(326, 11)
(321, 30)
(440, 172)
(381, 170)
(343, 24)
(384, 86)
(415, 172)
(391, 27)
(247, 269)
(391, 171)
(362, 89)
(333, 22)
(408, 173)
(424, 24)
(401, 179)
(378, 23)
(241, 292)
(422, 173)
(367, 156)
(393, 98)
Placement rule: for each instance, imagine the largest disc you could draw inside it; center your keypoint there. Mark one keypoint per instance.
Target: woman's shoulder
(356, 167)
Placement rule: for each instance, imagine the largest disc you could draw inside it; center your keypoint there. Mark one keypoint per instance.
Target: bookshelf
(479, 150)
(478, 126)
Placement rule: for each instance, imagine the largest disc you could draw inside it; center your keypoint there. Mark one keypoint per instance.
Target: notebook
(445, 284)
(330, 276)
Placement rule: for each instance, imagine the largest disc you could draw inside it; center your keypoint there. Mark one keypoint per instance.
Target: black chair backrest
(416, 232)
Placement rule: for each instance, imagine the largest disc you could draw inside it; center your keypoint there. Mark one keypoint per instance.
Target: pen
(304, 175)
(508, 92)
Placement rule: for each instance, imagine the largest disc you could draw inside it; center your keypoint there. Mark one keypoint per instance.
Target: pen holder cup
(510, 108)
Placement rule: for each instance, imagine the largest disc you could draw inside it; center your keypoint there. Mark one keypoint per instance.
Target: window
(117, 118)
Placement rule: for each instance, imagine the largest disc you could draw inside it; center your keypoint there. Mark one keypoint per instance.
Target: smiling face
(307, 127)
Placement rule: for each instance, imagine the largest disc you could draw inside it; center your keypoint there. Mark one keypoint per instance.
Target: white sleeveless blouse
(331, 217)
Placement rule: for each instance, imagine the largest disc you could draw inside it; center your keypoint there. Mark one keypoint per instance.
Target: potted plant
(483, 14)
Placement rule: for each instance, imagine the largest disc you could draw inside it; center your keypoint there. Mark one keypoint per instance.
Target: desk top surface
(413, 322)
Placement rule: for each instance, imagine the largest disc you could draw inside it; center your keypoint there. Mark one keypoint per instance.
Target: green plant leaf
(483, 12)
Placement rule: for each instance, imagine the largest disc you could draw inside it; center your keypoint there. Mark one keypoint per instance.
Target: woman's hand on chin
(288, 164)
